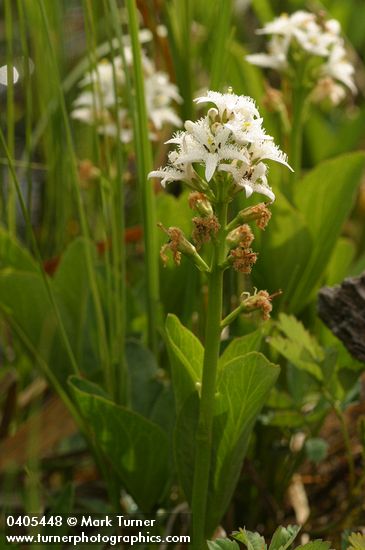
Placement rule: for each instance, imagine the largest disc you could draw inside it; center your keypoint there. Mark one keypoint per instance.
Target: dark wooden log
(342, 309)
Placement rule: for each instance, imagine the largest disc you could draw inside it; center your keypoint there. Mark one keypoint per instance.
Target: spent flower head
(304, 39)
(228, 144)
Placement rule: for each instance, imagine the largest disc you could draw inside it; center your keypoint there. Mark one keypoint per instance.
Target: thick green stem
(206, 411)
(299, 95)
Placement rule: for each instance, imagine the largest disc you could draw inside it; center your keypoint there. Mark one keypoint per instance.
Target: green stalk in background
(178, 19)
(111, 10)
(28, 111)
(115, 226)
(299, 95)
(95, 292)
(11, 197)
(144, 166)
(57, 200)
(37, 254)
(222, 37)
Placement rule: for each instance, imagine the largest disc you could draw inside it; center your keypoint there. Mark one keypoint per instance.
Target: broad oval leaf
(284, 250)
(137, 448)
(240, 346)
(325, 197)
(186, 356)
(12, 254)
(243, 388)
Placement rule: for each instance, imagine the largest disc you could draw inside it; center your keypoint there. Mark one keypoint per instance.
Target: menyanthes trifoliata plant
(308, 45)
(220, 155)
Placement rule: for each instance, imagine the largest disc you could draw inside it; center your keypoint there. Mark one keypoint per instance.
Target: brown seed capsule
(200, 203)
(241, 236)
(260, 213)
(178, 244)
(260, 300)
(242, 259)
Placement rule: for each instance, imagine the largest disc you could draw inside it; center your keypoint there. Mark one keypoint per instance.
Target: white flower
(229, 139)
(327, 88)
(311, 36)
(160, 92)
(208, 144)
(229, 105)
(103, 98)
(339, 68)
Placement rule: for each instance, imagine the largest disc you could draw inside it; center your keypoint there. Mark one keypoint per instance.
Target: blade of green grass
(144, 166)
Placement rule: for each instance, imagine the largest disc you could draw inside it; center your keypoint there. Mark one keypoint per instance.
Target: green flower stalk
(218, 156)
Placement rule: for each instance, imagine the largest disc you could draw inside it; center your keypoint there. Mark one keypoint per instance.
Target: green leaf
(253, 541)
(244, 77)
(179, 284)
(341, 259)
(298, 346)
(327, 137)
(283, 537)
(242, 391)
(72, 283)
(284, 249)
(64, 502)
(25, 301)
(285, 419)
(315, 545)
(150, 396)
(62, 505)
(142, 369)
(186, 356)
(279, 399)
(241, 346)
(325, 197)
(185, 443)
(12, 254)
(358, 267)
(222, 544)
(316, 449)
(357, 541)
(137, 448)
(163, 411)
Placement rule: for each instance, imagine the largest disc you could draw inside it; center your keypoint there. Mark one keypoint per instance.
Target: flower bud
(213, 113)
(189, 126)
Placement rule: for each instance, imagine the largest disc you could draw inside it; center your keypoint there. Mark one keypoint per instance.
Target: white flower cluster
(230, 139)
(101, 101)
(314, 37)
